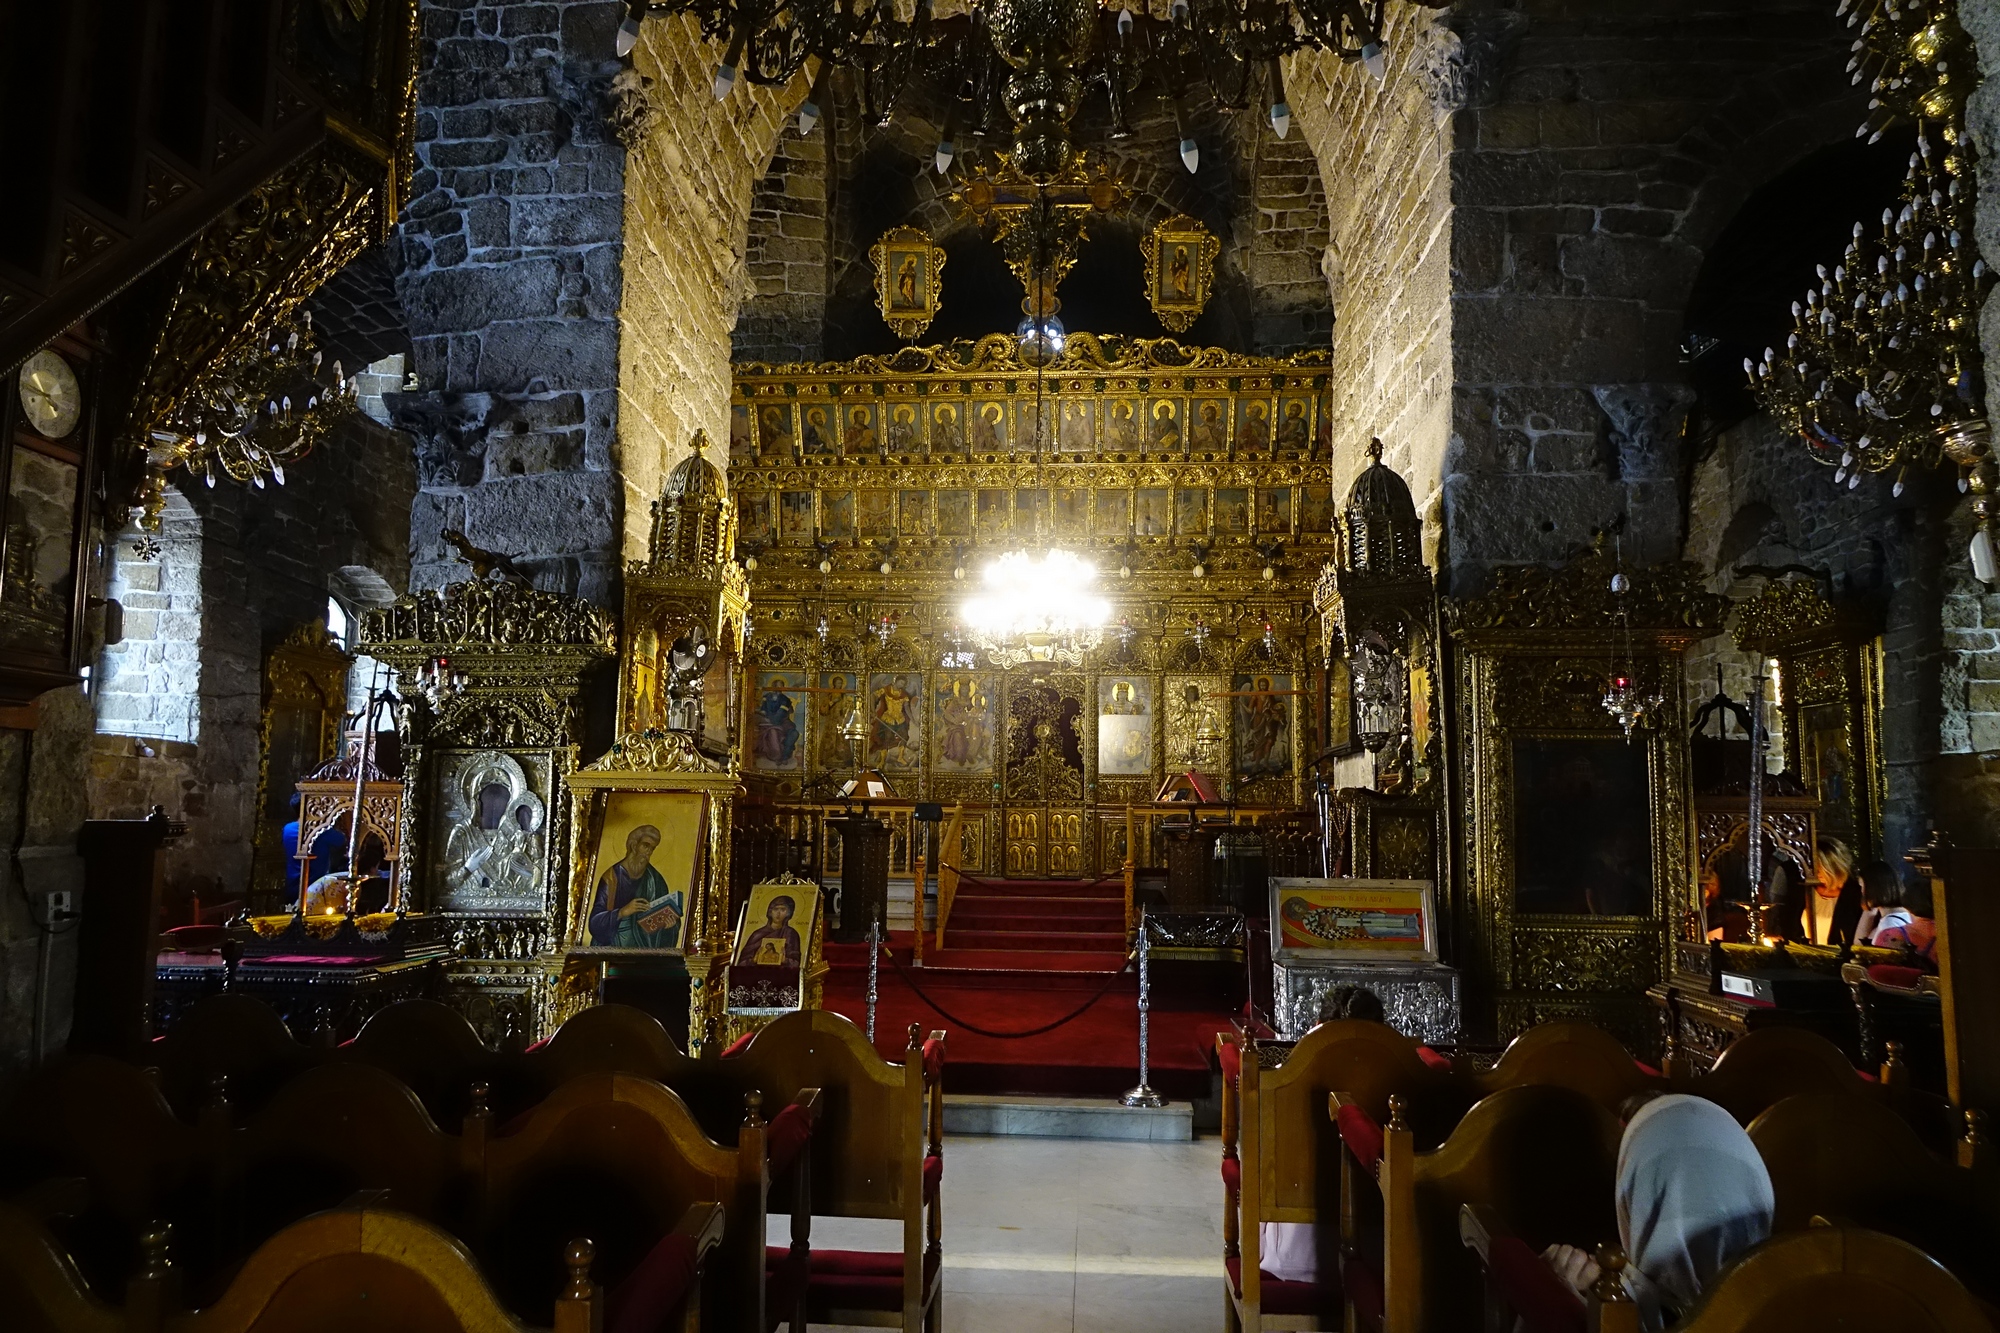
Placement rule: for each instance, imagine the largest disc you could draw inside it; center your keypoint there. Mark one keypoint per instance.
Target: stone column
(510, 255)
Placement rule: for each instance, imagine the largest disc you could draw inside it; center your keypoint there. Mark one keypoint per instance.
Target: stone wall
(50, 762)
(689, 179)
(1382, 150)
(508, 259)
(241, 569)
(1969, 773)
(786, 264)
(569, 307)
(1599, 153)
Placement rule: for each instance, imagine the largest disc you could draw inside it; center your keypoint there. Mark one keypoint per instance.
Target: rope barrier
(950, 1017)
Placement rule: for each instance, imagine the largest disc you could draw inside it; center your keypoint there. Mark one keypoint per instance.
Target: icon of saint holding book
(633, 907)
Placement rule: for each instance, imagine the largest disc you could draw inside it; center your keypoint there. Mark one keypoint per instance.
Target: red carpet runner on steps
(1020, 954)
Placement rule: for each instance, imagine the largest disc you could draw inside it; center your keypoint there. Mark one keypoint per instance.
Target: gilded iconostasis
(871, 496)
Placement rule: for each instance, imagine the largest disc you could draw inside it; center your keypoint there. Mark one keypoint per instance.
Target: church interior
(1339, 646)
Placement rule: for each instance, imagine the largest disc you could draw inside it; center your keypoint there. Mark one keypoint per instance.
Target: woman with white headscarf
(1693, 1194)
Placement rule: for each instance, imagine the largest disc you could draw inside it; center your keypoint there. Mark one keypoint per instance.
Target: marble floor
(1071, 1236)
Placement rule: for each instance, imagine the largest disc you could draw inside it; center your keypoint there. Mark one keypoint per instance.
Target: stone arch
(689, 176)
(828, 195)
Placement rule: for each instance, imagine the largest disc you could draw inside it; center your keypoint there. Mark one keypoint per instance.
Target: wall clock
(50, 396)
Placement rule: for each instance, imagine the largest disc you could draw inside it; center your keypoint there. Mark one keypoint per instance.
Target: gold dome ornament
(50, 396)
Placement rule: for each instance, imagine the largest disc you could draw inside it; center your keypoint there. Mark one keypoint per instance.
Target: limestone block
(551, 514)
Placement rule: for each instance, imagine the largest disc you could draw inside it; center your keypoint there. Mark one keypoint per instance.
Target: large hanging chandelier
(1037, 609)
(1031, 60)
(1881, 372)
(266, 405)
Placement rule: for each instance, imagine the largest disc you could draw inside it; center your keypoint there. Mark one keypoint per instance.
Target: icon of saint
(633, 907)
(776, 942)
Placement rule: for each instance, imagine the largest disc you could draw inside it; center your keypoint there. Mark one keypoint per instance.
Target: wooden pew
(878, 1152)
(103, 1122)
(1572, 1055)
(1853, 1160)
(335, 1271)
(335, 1133)
(230, 1036)
(622, 1158)
(346, 1132)
(1537, 1161)
(1279, 1153)
(41, 1288)
(1831, 1277)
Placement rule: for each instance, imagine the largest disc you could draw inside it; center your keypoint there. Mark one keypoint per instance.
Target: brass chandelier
(257, 410)
(1031, 60)
(1882, 369)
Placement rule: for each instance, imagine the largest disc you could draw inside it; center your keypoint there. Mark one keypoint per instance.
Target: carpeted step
(1046, 969)
(1049, 913)
(1108, 941)
(1033, 925)
(1040, 888)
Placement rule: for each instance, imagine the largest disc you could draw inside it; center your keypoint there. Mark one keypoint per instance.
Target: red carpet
(1039, 917)
(1020, 988)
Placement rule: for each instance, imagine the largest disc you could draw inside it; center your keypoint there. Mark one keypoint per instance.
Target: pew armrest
(1358, 1130)
(702, 1224)
(1475, 1230)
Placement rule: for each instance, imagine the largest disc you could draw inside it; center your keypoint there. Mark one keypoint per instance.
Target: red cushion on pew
(1545, 1303)
(1895, 976)
(933, 1061)
(647, 1299)
(1435, 1059)
(1361, 1134)
(1232, 1174)
(1275, 1295)
(791, 1131)
(1231, 1056)
(933, 1176)
(856, 1279)
(1647, 1069)
(738, 1046)
(1364, 1291)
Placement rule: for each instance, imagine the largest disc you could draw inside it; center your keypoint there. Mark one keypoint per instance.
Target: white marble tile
(1071, 1236)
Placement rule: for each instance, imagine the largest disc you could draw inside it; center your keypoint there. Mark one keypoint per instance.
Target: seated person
(328, 853)
(1897, 916)
(1345, 1001)
(1693, 1194)
(367, 887)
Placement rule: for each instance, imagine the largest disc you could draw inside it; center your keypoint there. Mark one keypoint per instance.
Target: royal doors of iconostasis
(1043, 822)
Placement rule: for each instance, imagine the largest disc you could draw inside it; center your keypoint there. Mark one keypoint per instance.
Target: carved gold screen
(1579, 863)
(1829, 657)
(864, 541)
